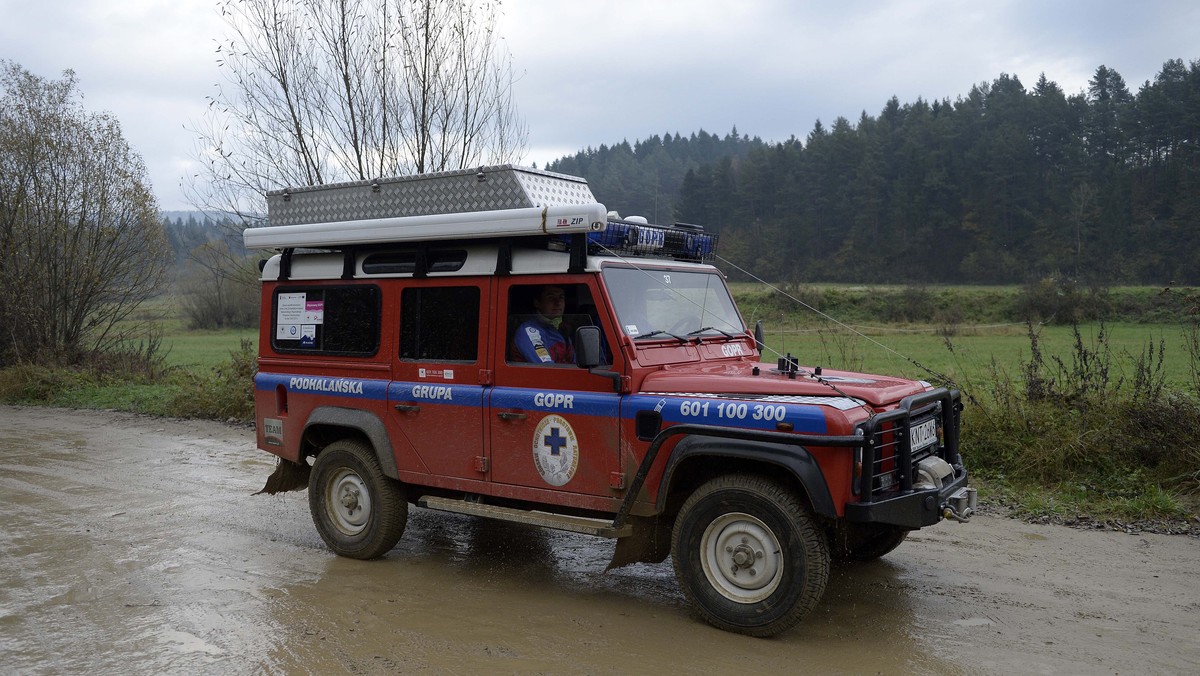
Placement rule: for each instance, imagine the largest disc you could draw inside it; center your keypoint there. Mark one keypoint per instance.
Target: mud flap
(649, 543)
(288, 476)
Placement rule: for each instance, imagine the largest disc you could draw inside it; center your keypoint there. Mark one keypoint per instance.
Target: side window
(440, 324)
(328, 320)
(542, 320)
(405, 261)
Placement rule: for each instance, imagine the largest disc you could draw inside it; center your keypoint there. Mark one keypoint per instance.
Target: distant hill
(185, 215)
(187, 230)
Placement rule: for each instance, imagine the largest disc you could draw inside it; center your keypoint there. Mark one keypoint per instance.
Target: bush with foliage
(222, 393)
(1054, 300)
(1072, 423)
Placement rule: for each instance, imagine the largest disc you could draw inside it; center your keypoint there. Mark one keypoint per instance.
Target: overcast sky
(600, 72)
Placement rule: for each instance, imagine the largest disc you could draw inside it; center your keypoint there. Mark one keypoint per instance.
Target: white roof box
(497, 201)
(447, 192)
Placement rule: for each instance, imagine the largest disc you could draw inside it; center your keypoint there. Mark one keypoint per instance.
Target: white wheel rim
(348, 502)
(741, 557)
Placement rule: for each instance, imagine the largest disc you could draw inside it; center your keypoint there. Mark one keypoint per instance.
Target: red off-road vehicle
(496, 343)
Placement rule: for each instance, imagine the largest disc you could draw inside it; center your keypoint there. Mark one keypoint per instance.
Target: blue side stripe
(351, 388)
(450, 395)
(747, 414)
(578, 403)
(729, 412)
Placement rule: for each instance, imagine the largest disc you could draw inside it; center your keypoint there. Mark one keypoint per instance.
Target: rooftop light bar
(680, 241)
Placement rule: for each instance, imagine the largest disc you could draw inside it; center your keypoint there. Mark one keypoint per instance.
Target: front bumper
(920, 507)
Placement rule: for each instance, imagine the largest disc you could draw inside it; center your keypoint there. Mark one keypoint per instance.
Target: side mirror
(759, 336)
(587, 347)
(589, 354)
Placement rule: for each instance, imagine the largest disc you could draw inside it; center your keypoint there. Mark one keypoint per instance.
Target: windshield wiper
(712, 328)
(660, 332)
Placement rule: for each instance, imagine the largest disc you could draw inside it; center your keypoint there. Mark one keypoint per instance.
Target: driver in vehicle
(540, 340)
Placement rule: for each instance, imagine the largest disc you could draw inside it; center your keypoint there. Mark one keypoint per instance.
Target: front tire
(359, 512)
(748, 555)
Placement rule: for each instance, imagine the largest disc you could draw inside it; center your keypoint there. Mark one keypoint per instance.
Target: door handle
(505, 415)
(408, 408)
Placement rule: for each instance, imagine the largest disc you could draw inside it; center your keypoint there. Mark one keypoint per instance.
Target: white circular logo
(555, 450)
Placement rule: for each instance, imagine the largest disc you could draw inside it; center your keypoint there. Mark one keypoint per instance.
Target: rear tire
(359, 512)
(748, 555)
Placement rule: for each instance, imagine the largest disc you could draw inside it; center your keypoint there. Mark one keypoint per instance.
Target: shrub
(910, 304)
(224, 392)
(29, 384)
(1058, 301)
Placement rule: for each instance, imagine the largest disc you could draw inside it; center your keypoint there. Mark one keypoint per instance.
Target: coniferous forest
(1006, 184)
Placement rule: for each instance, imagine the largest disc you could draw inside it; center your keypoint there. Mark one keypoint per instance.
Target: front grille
(889, 463)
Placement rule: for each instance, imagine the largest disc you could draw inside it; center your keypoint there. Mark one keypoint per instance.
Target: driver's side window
(542, 319)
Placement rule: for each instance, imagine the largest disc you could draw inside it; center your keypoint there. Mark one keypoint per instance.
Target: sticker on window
(314, 312)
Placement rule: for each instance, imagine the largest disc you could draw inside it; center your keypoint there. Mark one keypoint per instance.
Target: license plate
(922, 434)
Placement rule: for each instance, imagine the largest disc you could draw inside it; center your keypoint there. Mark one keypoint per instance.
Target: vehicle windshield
(671, 303)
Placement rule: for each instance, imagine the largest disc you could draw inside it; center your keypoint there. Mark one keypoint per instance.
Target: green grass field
(968, 355)
(959, 331)
(879, 350)
(204, 349)
(189, 348)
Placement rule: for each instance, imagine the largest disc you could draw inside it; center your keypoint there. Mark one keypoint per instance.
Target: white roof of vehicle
(555, 220)
(480, 260)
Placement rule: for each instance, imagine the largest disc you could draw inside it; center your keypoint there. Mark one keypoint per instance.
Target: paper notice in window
(289, 315)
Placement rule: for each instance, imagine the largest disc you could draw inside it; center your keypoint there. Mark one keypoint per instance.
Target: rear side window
(326, 320)
(405, 262)
(440, 324)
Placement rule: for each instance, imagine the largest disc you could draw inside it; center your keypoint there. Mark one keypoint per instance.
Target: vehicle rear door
(437, 395)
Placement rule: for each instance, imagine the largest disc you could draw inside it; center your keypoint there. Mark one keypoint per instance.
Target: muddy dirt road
(133, 545)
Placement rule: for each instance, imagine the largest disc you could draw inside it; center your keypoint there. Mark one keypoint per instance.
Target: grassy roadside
(207, 376)
(1088, 423)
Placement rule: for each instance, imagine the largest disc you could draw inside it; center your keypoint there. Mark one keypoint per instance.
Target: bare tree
(82, 243)
(213, 294)
(322, 91)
